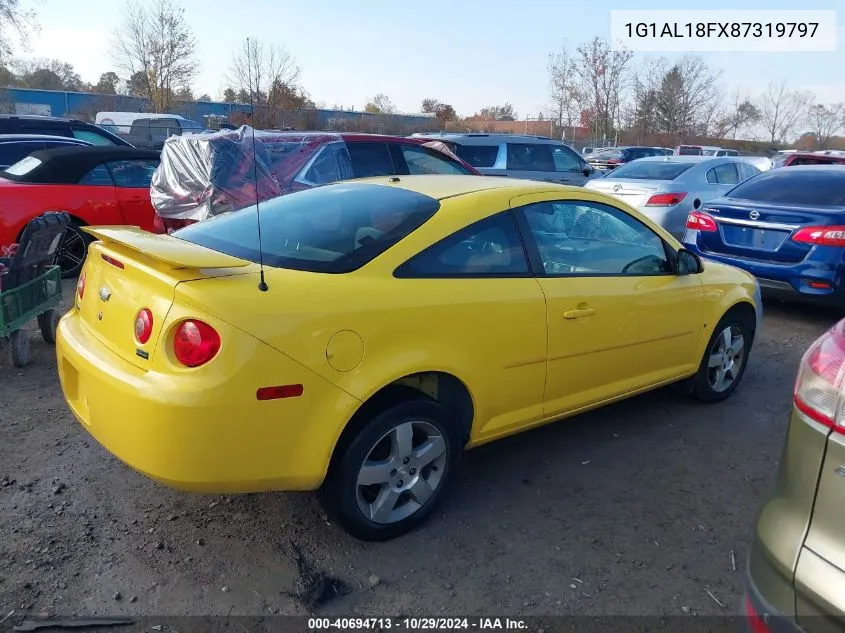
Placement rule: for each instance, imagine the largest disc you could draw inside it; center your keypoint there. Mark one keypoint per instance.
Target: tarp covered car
(204, 175)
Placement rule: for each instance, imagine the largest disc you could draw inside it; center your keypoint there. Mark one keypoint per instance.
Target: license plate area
(753, 238)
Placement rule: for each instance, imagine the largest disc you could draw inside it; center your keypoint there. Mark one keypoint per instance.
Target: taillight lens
(195, 343)
(819, 379)
(143, 325)
(614, 161)
(701, 222)
(665, 199)
(821, 235)
(80, 285)
(756, 624)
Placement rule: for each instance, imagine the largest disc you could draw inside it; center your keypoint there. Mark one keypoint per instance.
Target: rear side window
(10, 153)
(370, 159)
(132, 174)
(530, 157)
(330, 165)
(478, 155)
(332, 229)
(651, 170)
(795, 187)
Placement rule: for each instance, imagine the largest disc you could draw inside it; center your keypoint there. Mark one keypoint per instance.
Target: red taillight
(665, 199)
(756, 624)
(143, 325)
(819, 285)
(821, 235)
(614, 161)
(80, 285)
(282, 391)
(112, 261)
(701, 222)
(819, 380)
(195, 343)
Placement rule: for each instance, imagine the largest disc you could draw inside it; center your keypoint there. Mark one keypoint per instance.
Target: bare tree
(742, 113)
(380, 104)
(781, 110)
(825, 122)
(265, 73)
(17, 19)
(565, 91)
(156, 41)
(603, 73)
(689, 98)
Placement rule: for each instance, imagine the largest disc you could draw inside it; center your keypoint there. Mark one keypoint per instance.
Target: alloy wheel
(727, 355)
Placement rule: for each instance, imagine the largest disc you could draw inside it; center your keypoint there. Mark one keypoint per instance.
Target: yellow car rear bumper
(204, 430)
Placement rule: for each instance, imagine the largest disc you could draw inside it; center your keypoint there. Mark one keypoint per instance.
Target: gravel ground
(640, 508)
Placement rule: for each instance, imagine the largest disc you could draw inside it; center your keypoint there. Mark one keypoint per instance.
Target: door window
(478, 155)
(566, 160)
(530, 157)
(423, 161)
(330, 165)
(370, 159)
(724, 174)
(92, 137)
(133, 174)
(98, 177)
(489, 248)
(576, 237)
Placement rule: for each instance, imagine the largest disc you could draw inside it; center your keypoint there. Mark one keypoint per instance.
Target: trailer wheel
(19, 348)
(48, 322)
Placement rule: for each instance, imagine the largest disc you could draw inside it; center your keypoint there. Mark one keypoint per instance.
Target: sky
(468, 53)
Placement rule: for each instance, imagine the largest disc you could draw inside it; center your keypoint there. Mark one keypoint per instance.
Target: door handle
(579, 312)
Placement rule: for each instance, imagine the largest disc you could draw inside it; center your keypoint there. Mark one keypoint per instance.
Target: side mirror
(588, 170)
(689, 263)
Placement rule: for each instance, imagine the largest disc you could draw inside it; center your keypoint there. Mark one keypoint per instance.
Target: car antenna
(262, 285)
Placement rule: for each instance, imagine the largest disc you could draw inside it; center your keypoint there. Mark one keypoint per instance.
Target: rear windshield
(689, 151)
(801, 187)
(330, 229)
(478, 155)
(651, 170)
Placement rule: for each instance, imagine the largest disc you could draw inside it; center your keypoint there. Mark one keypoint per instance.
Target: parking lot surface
(645, 507)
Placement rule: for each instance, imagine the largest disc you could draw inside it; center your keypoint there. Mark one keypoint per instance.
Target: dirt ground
(641, 508)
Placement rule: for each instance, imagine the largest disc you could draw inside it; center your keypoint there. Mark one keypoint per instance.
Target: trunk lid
(761, 231)
(632, 192)
(129, 269)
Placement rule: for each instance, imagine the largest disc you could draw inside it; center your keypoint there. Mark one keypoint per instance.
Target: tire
(72, 251)
(707, 385)
(19, 348)
(48, 322)
(408, 482)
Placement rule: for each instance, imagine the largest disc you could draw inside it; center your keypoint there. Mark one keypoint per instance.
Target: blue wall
(85, 105)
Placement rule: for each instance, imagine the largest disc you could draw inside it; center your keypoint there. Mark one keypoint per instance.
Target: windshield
(331, 229)
(23, 166)
(795, 186)
(651, 170)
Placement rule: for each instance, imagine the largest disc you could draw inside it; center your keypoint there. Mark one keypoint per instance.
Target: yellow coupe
(397, 322)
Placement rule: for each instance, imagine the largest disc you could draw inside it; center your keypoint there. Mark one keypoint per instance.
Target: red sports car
(95, 185)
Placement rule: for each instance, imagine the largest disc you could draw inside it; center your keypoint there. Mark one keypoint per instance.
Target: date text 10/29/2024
(417, 624)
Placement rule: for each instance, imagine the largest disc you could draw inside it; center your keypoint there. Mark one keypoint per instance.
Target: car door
(94, 199)
(478, 280)
(132, 187)
(619, 318)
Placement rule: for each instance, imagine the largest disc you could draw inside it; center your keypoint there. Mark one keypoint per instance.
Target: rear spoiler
(172, 251)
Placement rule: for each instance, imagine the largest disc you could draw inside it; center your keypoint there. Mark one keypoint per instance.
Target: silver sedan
(667, 188)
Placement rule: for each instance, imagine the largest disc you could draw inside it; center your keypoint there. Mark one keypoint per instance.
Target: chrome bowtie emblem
(105, 294)
(754, 215)
(617, 187)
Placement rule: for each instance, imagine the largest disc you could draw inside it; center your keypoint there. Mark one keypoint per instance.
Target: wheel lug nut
(406, 460)
(393, 473)
(413, 471)
(400, 483)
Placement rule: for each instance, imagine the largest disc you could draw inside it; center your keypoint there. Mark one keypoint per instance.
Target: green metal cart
(39, 299)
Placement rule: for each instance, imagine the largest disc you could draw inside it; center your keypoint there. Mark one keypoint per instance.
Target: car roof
(792, 169)
(441, 187)
(38, 117)
(67, 165)
(480, 138)
(11, 138)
